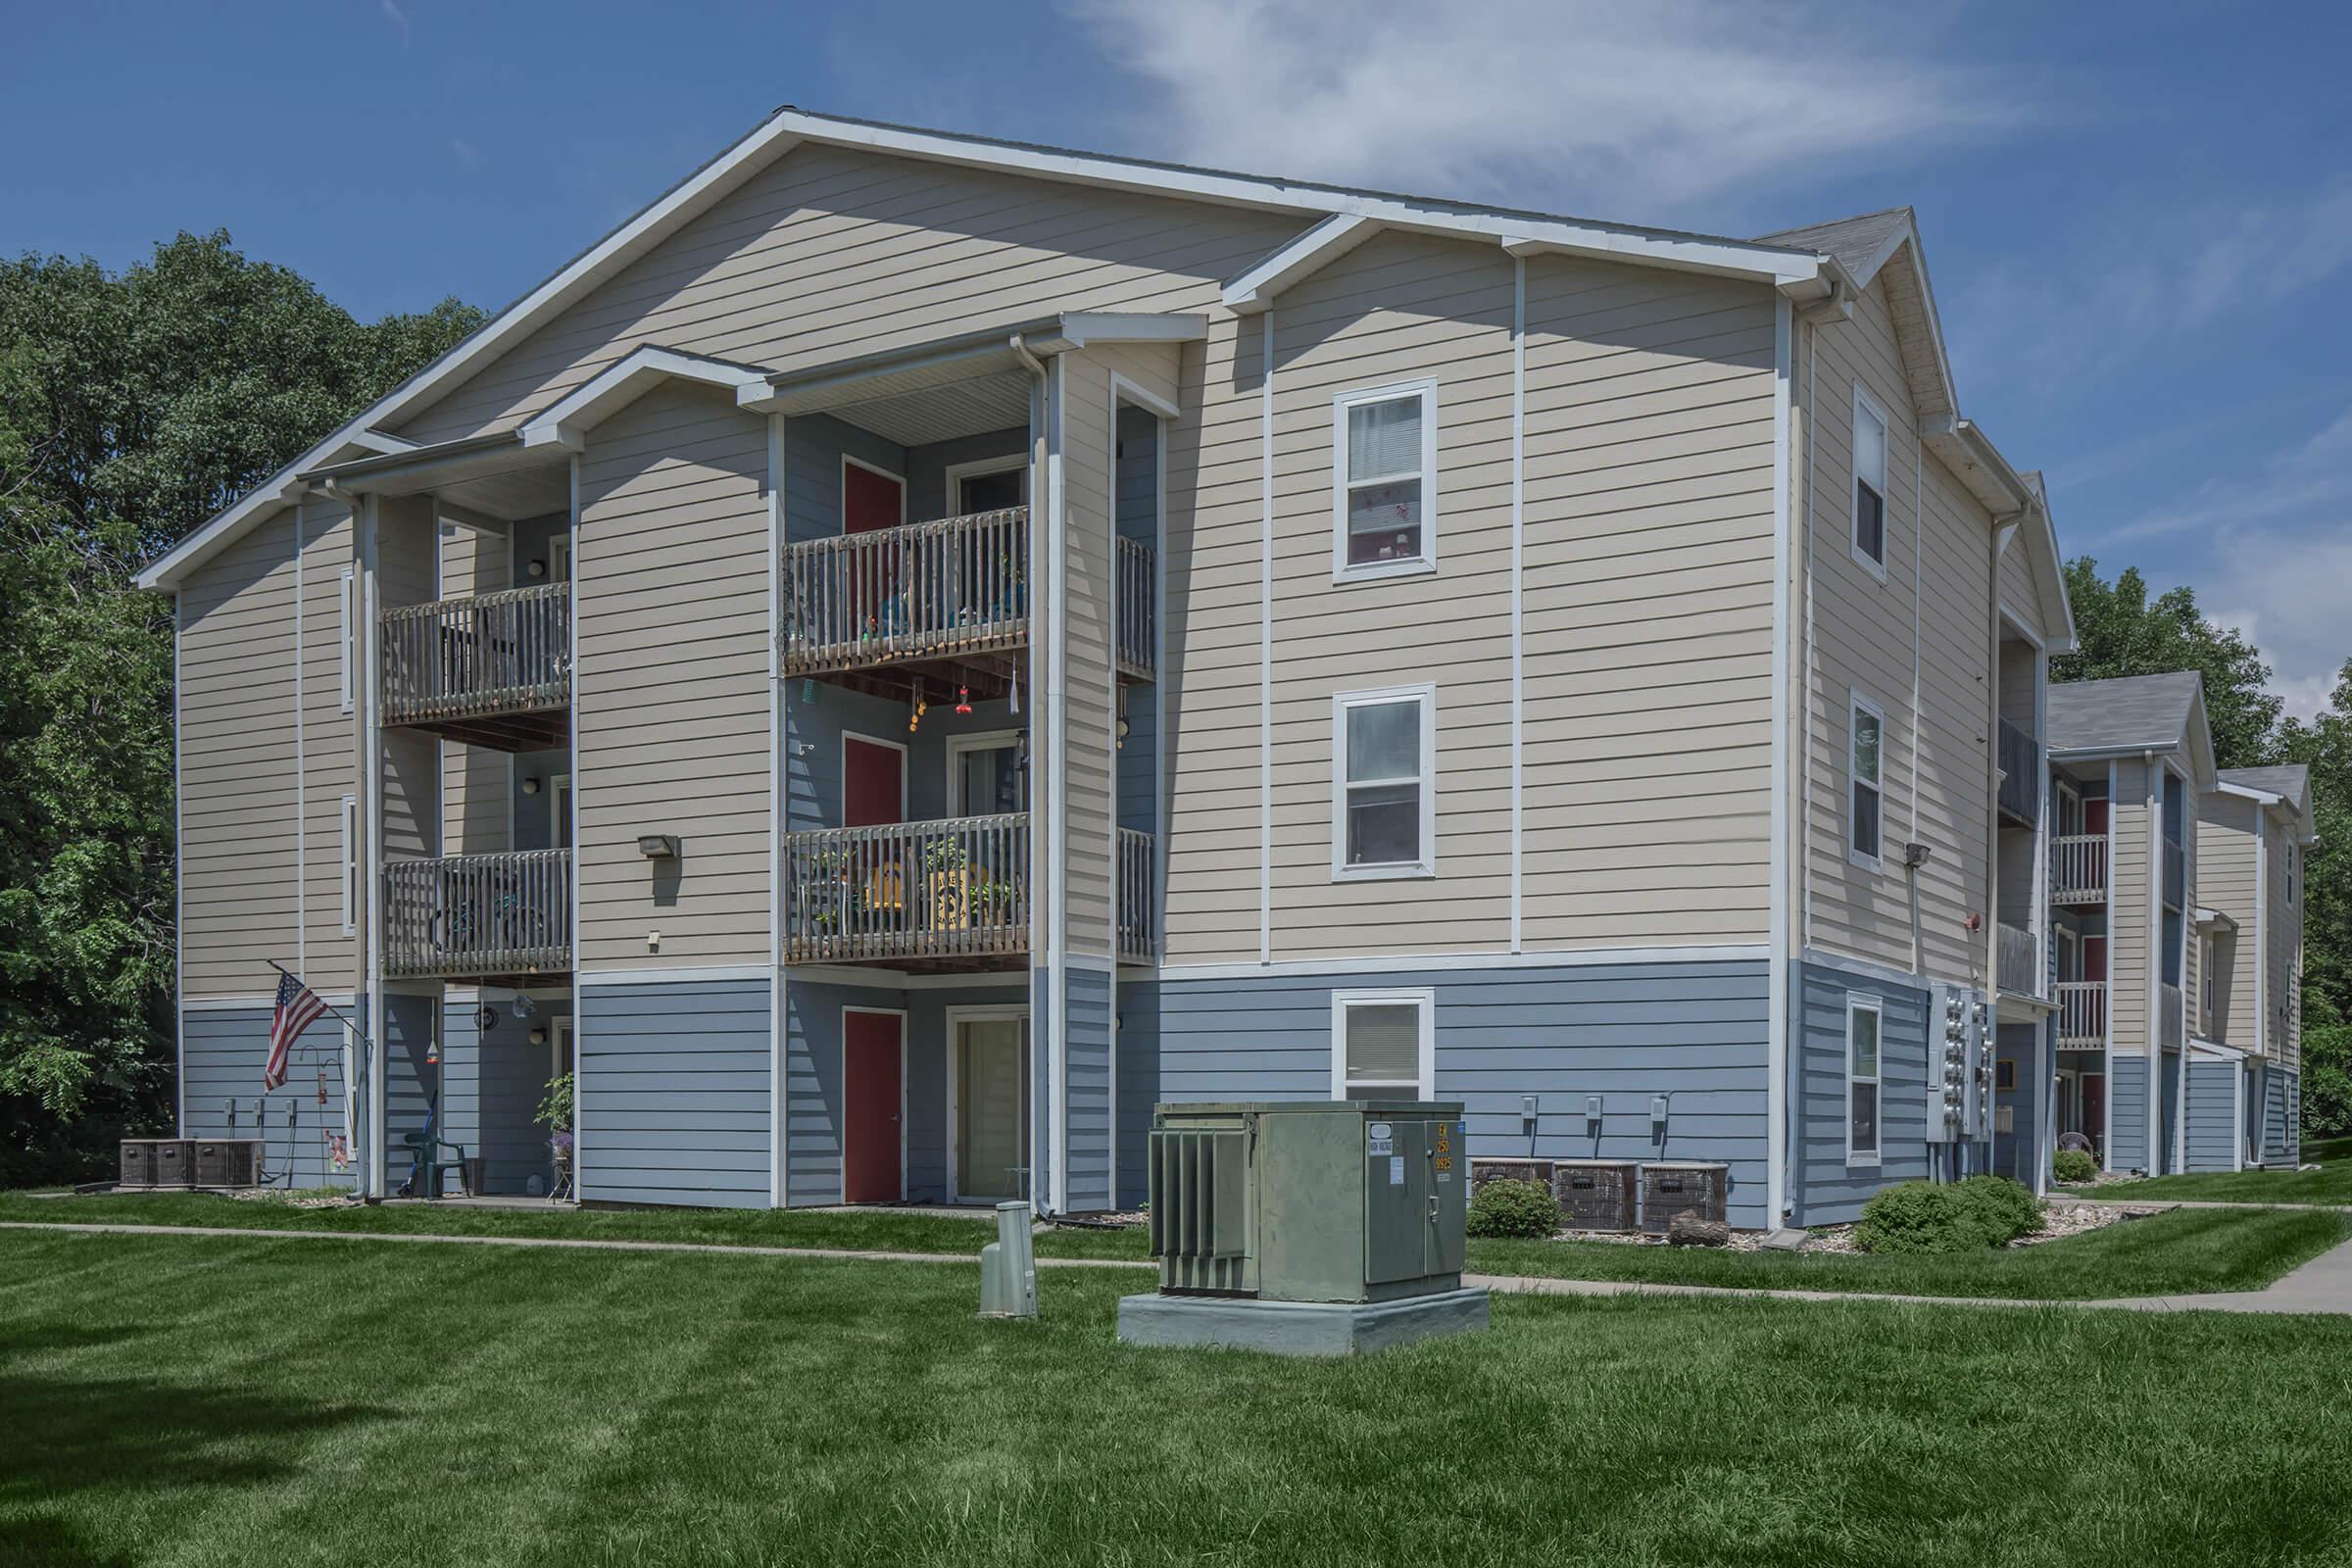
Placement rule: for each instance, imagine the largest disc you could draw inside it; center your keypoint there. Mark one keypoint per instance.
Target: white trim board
(1396, 963)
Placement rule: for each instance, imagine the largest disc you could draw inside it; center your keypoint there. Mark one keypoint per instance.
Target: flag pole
(305, 984)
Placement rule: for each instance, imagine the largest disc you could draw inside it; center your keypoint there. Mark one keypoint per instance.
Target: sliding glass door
(992, 1106)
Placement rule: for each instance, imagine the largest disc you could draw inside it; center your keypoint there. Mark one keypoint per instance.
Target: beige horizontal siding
(2128, 903)
(1916, 643)
(239, 836)
(832, 252)
(476, 782)
(677, 472)
(329, 741)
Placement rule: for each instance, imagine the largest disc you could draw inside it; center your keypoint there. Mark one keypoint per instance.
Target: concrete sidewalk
(2322, 1286)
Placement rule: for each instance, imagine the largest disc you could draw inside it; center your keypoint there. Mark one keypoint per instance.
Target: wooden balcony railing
(948, 895)
(479, 914)
(1135, 628)
(480, 658)
(945, 589)
(2078, 868)
(1139, 900)
(948, 589)
(2021, 774)
(2016, 968)
(2081, 1014)
(954, 891)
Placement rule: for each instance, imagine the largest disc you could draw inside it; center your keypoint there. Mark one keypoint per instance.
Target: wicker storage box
(1594, 1195)
(175, 1162)
(1671, 1187)
(138, 1163)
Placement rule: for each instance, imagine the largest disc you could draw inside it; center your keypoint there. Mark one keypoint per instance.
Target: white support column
(367, 707)
(778, 777)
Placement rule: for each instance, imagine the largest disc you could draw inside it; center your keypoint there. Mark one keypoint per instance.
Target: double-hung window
(1384, 481)
(1384, 796)
(1862, 1019)
(1870, 483)
(346, 629)
(1866, 743)
(351, 864)
(1383, 1045)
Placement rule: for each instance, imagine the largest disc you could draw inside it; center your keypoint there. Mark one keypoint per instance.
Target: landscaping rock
(1688, 1230)
(1789, 1238)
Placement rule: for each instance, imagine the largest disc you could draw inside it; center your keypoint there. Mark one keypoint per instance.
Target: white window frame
(1865, 403)
(981, 469)
(1855, 704)
(1427, 560)
(1426, 863)
(1858, 1002)
(346, 624)
(559, 558)
(960, 746)
(1422, 998)
(351, 864)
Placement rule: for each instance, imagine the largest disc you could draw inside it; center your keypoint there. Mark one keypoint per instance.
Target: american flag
(298, 1007)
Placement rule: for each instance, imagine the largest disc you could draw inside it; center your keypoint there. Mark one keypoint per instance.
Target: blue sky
(2138, 218)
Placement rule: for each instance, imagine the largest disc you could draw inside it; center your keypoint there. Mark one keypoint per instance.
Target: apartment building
(2254, 828)
(916, 647)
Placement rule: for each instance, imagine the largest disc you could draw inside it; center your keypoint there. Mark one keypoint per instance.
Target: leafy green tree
(2119, 631)
(2324, 746)
(132, 406)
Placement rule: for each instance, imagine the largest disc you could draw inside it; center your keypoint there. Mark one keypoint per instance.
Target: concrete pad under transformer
(1297, 1328)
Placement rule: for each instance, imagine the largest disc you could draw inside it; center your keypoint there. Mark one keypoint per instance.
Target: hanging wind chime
(964, 700)
(914, 714)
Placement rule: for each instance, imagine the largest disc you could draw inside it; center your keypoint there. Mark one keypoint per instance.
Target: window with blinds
(1385, 477)
(1383, 1044)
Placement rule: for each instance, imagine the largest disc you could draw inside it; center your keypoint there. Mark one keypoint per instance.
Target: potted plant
(554, 1114)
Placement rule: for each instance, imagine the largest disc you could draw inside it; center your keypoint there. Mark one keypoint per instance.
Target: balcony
(2168, 1018)
(2078, 868)
(2082, 1015)
(2015, 964)
(948, 897)
(2020, 758)
(947, 600)
(491, 670)
(480, 916)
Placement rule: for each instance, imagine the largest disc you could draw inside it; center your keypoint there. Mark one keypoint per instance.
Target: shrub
(1513, 1208)
(2075, 1165)
(1919, 1217)
(2004, 1210)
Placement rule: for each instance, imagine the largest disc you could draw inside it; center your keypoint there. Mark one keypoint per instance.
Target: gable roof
(789, 128)
(1861, 245)
(2132, 714)
(2289, 784)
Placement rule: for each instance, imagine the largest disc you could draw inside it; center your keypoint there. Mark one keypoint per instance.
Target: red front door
(873, 783)
(2095, 816)
(870, 1089)
(871, 500)
(2095, 958)
(2094, 1107)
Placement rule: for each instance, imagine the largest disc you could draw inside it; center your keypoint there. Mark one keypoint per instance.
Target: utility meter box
(1347, 1200)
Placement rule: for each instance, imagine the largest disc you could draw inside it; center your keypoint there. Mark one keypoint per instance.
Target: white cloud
(398, 18)
(2282, 552)
(1615, 110)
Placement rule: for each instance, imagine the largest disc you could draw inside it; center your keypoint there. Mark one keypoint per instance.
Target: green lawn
(2177, 1252)
(2182, 1252)
(203, 1401)
(2331, 1183)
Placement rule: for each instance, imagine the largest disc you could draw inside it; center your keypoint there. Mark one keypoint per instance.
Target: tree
(2118, 632)
(132, 406)
(2324, 746)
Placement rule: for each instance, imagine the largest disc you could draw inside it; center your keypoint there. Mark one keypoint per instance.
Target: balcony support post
(368, 703)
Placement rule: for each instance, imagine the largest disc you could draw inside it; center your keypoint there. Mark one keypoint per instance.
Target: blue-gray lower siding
(814, 1105)
(1828, 1186)
(1139, 1084)
(2027, 1050)
(1692, 1033)
(2281, 1117)
(2127, 1113)
(2213, 1114)
(1089, 1181)
(2168, 1116)
(493, 1085)
(674, 1093)
(222, 1053)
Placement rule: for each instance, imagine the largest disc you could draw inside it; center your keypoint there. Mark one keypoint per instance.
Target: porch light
(658, 846)
(537, 569)
(531, 786)
(538, 1037)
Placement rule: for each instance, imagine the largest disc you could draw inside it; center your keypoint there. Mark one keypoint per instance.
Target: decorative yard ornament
(524, 1006)
(485, 1017)
(964, 700)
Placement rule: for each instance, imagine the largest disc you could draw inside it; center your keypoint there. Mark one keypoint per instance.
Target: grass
(2177, 1252)
(206, 1400)
(2331, 1183)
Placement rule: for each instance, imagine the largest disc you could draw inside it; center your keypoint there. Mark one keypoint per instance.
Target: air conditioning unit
(228, 1162)
(175, 1162)
(138, 1163)
(1483, 1171)
(1670, 1188)
(1596, 1195)
(1314, 1227)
